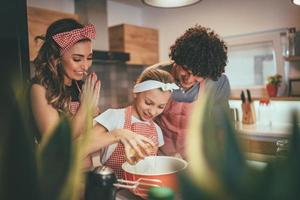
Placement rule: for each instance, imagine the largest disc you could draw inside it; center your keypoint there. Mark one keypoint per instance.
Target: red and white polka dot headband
(67, 39)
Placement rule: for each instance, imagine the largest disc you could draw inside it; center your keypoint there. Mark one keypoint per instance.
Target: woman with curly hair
(57, 87)
(199, 58)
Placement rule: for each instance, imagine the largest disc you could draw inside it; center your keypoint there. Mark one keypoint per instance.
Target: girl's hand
(91, 93)
(130, 140)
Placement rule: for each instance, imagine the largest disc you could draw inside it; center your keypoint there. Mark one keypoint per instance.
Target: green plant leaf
(18, 172)
(203, 148)
(233, 164)
(217, 164)
(55, 161)
(190, 191)
(292, 164)
(275, 79)
(294, 142)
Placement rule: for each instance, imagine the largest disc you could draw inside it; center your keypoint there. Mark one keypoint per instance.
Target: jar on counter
(284, 43)
(287, 40)
(265, 112)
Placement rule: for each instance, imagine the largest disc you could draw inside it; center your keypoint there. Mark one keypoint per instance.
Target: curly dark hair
(202, 51)
(49, 71)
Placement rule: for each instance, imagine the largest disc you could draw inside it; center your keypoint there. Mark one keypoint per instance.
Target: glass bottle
(291, 41)
(265, 112)
(284, 43)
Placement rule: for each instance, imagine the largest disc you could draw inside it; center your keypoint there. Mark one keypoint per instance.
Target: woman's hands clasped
(91, 93)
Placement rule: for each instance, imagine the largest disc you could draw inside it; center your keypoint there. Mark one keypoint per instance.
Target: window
(250, 64)
(252, 58)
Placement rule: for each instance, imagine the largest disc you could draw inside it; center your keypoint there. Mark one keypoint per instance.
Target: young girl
(151, 94)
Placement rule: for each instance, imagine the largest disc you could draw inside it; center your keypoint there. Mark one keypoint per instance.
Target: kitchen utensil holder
(248, 115)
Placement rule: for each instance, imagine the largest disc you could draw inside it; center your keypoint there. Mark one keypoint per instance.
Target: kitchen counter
(278, 98)
(261, 140)
(264, 133)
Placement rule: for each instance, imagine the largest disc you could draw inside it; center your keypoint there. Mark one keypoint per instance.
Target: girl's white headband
(151, 84)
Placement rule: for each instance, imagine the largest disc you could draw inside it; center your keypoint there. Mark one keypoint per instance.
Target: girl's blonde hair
(156, 75)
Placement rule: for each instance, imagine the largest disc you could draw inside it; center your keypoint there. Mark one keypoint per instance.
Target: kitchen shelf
(260, 157)
(281, 98)
(292, 58)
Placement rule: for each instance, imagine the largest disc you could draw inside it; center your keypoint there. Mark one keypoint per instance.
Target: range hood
(95, 12)
(110, 56)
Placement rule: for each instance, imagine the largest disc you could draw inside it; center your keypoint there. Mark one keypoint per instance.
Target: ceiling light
(170, 3)
(296, 2)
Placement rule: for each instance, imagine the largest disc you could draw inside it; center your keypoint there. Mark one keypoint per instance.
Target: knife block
(248, 113)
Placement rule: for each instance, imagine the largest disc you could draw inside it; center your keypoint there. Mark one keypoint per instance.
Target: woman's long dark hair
(49, 71)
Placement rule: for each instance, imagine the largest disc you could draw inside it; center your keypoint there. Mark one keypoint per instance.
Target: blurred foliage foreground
(218, 168)
(49, 171)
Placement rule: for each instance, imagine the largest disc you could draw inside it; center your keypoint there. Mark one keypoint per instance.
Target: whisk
(140, 186)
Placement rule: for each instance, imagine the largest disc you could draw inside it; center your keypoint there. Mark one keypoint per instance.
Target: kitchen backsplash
(117, 81)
